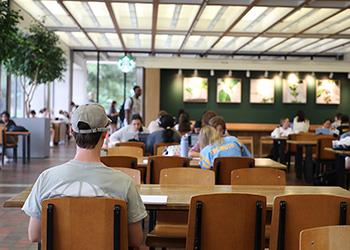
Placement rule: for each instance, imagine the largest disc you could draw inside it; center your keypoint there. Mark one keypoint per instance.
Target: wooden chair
(258, 176)
(226, 221)
(325, 238)
(135, 174)
(223, 167)
(157, 163)
(159, 148)
(264, 140)
(294, 213)
(133, 149)
(248, 141)
(6, 145)
(84, 223)
(323, 157)
(171, 226)
(119, 161)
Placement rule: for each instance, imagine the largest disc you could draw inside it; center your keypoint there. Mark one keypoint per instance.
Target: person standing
(133, 105)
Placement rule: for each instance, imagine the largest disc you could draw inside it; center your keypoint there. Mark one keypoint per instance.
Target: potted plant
(38, 60)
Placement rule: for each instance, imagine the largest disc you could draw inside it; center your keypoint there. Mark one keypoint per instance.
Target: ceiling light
(179, 72)
(313, 74)
(266, 74)
(349, 75)
(212, 72)
(229, 73)
(195, 72)
(330, 75)
(247, 74)
(281, 74)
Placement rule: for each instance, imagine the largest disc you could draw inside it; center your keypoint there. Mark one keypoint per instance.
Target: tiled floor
(15, 177)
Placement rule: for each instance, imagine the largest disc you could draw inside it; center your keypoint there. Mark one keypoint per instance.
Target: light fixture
(247, 74)
(330, 75)
(266, 74)
(281, 74)
(349, 75)
(195, 72)
(229, 73)
(179, 72)
(212, 72)
(313, 74)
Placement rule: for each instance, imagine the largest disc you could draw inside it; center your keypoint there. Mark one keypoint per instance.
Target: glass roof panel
(34, 10)
(137, 41)
(343, 49)
(169, 41)
(260, 18)
(218, 18)
(323, 45)
(261, 44)
(84, 41)
(133, 16)
(293, 44)
(74, 39)
(347, 32)
(56, 10)
(302, 19)
(331, 25)
(200, 42)
(176, 17)
(105, 40)
(231, 43)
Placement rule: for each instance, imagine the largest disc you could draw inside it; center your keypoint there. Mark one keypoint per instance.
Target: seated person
(283, 129)
(206, 116)
(5, 120)
(86, 176)
(337, 120)
(344, 126)
(168, 134)
(327, 129)
(154, 125)
(130, 132)
(32, 114)
(300, 123)
(213, 145)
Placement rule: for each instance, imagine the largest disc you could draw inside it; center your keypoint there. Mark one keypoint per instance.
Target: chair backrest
(133, 149)
(248, 141)
(221, 221)
(159, 148)
(84, 223)
(294, 213)
(2, 134)
(135, 174)
(264, 140)
(323, 142)
(157, 163)
(119, 161)
(301, 137)
(223, 167)
(186, 176)
(325, 238)
(258, 176)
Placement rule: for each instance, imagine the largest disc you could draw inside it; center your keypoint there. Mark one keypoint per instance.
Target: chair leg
(3, 156)
(15, 154)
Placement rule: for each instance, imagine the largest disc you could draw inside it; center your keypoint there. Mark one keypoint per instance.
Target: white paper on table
(154, 199)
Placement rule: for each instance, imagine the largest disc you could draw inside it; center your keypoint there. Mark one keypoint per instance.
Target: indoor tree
(38, 60)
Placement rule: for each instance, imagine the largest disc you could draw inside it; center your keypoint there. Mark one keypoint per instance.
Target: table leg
(152, 219)
(28, 148)
(340, 169)
(282, 151)
(298, 161)
(308, 166)
(24, 149)
(275, 150)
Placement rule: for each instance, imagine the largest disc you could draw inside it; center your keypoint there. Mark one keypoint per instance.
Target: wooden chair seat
(169, 231)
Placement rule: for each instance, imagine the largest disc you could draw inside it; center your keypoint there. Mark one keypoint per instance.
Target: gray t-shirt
(86, 179)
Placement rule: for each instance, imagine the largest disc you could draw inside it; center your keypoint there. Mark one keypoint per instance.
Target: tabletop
(337, 151)
(18, 132)
(179, 196)
(309, 142)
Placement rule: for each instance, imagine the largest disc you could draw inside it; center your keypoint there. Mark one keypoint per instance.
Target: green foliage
(8, 31)
(38, 56)
(224, 97)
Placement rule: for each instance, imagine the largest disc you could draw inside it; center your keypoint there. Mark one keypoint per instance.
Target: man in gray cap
(86, 176)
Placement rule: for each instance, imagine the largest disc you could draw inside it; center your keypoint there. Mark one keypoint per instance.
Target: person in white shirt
(130, 132)
(300, 123)
(283, 130)
(133, 105)
(153, 126)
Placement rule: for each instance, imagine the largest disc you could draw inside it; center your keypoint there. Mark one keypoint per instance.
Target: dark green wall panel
(171, 99)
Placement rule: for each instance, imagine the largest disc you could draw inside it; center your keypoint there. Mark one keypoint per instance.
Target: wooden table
(279, 148)
(308, 165)
(259, 162)
(179, 196)
(25, 143)
(340, 164)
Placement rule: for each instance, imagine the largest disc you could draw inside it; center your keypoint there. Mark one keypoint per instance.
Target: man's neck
(87, 155)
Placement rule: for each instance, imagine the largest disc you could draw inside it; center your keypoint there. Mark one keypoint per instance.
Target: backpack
(122, 110)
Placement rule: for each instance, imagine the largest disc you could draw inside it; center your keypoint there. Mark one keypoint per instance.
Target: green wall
(171, 99)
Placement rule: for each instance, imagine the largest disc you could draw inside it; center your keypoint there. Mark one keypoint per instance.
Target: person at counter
(283, 129)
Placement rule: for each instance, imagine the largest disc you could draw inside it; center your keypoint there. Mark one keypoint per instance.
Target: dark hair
(216, 121)
(198, 124)
(136, 87)
(327, 119)
(87, 141)
(136, 117)
(344, 119)
(338, 116)
(184, 123)
(301, 116)
(113, 103)
(33, 112)
(207, 115)
(167, 122)
(7, 114)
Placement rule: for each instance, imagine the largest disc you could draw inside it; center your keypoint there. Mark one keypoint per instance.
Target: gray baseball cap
(92, 114)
